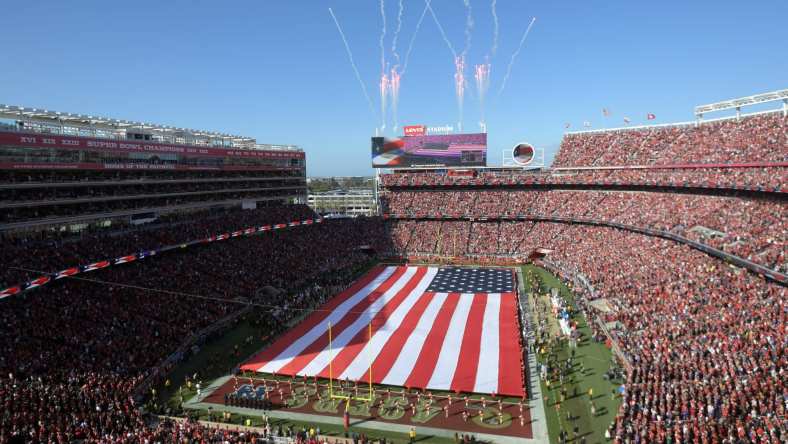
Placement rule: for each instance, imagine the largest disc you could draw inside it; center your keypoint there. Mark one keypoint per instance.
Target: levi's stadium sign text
(414, 130)
(423, 130)
(461, 150)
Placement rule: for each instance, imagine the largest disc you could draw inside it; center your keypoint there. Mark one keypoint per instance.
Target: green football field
(594, 359)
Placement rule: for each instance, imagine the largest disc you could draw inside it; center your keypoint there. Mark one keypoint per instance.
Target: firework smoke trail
(394, 91)
(514, 56)
(396, 32)
(413, 39)
(495, 28)
(468, 26)
(382, 36)
(459, 75)
(384, 82)
(459, 84)
(482, 76)
(459, 64)
(352, 62)
(384, 92)
(440, 28)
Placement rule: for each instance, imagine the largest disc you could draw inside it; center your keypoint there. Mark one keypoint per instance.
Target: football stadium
(163, 284)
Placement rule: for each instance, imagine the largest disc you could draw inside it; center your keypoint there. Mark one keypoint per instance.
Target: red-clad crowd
(747, 154)
(771, 179)
(755, 229)
(758, 138)
(72, 353)
(707, 342)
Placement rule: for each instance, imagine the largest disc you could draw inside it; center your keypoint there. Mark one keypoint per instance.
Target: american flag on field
(441, 328)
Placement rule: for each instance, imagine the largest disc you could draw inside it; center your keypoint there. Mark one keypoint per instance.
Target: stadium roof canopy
(744, 101)
(83, 120)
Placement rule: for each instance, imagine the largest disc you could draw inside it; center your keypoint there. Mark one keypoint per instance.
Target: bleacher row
(764, 179)
(50, 252)
(749, 154)
(758, 138)
(754, 229)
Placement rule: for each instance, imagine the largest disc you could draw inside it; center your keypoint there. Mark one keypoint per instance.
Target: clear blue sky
(277, 70)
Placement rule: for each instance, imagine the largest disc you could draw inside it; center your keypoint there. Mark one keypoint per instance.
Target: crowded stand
(39, 211)
(703, 342)
(706, 342)
(753, 229)
(48, 251)
(50, 195)
(758, 138)
(99, 325)
(761, 179)
(483, 238)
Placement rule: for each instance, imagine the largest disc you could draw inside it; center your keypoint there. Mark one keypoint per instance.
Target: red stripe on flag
(353, 348)
(10, 291)
(428, 356)
(465, 374)
(390, 352)
(312, 350)
(67, 272)
(260, 359)
(37, 282)
(510, 356)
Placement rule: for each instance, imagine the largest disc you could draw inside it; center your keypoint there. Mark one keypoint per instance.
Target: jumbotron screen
(430, 150)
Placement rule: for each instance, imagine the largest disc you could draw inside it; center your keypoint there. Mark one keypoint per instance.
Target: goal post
(347, 398)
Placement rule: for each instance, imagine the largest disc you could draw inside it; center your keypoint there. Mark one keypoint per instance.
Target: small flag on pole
(651, 116)
(605, 112)
(626, 120)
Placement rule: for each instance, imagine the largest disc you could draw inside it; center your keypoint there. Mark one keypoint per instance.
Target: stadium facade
(70, 171)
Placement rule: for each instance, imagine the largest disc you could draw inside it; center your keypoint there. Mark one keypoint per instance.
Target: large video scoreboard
(448, 150)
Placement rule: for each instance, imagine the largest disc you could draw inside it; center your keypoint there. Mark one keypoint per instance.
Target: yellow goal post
(347, 398)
